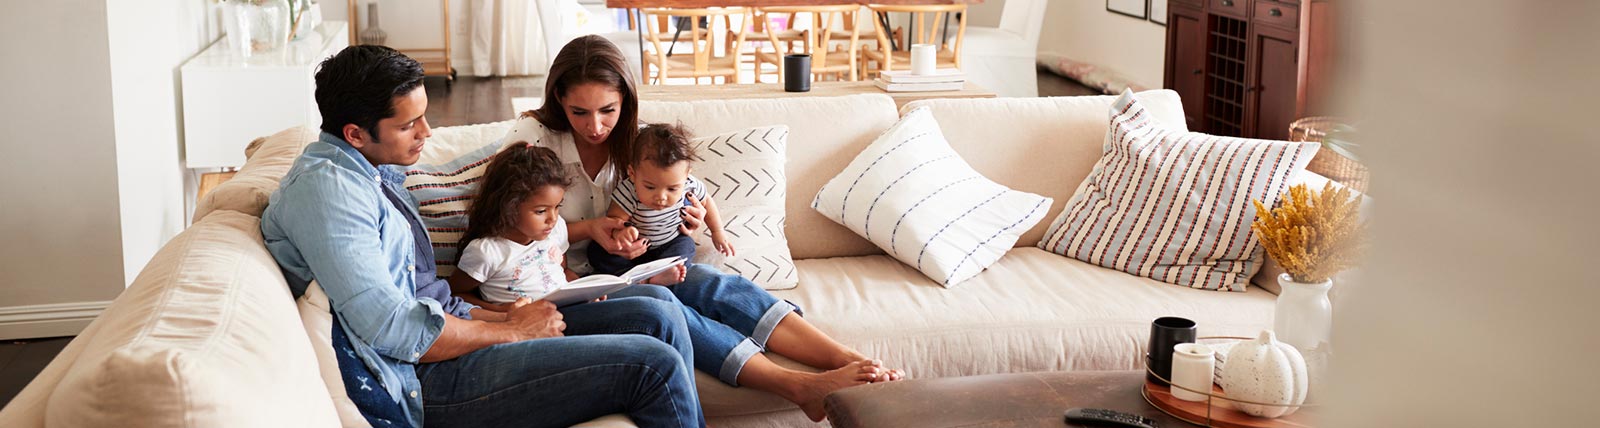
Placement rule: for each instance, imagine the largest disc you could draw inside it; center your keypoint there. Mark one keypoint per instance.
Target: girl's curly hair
(513, 175)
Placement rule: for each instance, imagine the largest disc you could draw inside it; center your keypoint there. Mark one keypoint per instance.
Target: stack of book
(944, 79)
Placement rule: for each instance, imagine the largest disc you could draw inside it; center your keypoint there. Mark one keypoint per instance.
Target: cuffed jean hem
(769, 322)
(736, 360)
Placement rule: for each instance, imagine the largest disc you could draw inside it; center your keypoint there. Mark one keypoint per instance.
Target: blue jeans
(623, 355)
(729, 317)
(607, 263)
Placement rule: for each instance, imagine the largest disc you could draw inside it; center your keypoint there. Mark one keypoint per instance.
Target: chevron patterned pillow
(743, 171)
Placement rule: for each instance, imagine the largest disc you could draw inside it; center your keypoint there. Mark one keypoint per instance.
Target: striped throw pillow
(914, 197)
(1174, 206)
(743, 172)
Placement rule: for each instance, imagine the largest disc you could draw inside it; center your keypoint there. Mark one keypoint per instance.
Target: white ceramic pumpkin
(1265, 370)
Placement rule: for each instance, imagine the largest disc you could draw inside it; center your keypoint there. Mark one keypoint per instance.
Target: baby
(651, 200)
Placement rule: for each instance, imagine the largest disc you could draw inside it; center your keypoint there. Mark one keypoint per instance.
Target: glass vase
(256, 26)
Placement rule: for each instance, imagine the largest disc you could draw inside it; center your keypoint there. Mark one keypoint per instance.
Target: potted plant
(1313, 235)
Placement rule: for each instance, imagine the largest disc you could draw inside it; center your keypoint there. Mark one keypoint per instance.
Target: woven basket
(1328, 163)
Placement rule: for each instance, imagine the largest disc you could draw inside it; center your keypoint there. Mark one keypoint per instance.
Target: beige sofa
(208, 335)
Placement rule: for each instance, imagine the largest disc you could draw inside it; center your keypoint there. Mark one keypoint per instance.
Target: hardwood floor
(21, 360)
(469, 100)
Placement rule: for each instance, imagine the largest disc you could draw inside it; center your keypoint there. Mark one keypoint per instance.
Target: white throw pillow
(914, 197)
(1174, 206)
(317, 316)
(743, 172)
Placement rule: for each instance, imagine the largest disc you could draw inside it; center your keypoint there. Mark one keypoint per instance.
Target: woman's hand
(694, 216)
(601, 232)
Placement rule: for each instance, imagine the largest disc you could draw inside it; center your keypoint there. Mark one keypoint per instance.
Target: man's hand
(534, 320)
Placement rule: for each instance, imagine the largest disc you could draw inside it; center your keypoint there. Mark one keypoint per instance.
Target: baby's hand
(626, 234)
(724, 246)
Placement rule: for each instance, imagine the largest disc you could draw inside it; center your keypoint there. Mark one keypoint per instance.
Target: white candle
(1192, 366)
(922, 59)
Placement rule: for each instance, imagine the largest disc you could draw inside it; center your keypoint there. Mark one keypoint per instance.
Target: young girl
(515, 236)
(651, 199)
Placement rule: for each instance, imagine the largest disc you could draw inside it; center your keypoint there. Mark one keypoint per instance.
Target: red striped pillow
(1172, 205)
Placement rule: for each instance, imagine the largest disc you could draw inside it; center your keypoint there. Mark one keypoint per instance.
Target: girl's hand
(599, 299)
(694, 216)
(601, 230)
(724, 246)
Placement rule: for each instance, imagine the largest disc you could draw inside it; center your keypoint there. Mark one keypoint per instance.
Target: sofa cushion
(266, 161)
(915, 198)
(207, 335)
(316, 315)
(1174, 206)
(825, 133)
(743, 171)
(1030, 311)
(1044, 146)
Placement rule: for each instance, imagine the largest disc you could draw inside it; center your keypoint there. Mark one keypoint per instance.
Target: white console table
(230, 99)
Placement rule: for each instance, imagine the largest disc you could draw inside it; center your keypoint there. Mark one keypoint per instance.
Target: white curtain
(506, 38)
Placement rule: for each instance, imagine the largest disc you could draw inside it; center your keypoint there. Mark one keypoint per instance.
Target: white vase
(1303, 316)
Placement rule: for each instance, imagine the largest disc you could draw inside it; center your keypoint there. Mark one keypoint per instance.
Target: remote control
(1108, 418)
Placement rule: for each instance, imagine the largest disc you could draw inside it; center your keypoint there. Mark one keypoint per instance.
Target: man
(341, 218)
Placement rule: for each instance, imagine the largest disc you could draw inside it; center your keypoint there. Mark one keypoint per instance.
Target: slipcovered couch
(209, 336)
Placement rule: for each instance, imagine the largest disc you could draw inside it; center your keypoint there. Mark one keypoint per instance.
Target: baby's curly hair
(662, 144)
(512, 176)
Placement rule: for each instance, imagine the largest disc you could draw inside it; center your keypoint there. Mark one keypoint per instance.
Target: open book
(593, 286)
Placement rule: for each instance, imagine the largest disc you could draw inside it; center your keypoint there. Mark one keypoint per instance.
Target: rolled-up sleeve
(337, 230)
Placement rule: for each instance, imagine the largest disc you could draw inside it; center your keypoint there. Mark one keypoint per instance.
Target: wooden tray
(1219, 413)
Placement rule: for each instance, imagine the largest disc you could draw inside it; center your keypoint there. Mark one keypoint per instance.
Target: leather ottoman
(1001, 400)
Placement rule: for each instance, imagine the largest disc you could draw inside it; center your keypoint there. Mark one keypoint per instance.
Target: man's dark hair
(358, 85)
(662, 144)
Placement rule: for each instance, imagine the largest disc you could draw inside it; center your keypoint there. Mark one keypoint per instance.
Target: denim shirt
(330, 221)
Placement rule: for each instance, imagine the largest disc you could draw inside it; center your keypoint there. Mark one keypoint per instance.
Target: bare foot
(669, 277)
(811, 388)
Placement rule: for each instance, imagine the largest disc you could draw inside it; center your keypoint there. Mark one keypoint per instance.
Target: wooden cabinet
(1239, 65)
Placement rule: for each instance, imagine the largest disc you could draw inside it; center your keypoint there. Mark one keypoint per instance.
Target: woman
(589, 118)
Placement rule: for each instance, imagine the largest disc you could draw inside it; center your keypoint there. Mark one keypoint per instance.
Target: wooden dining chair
(761, 34)
(828, 58)
(930, 28)
(701, 60)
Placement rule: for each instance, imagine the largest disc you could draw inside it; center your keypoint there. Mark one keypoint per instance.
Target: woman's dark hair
(513, 175)
(591, 59)
(663, 144)
(358, 86)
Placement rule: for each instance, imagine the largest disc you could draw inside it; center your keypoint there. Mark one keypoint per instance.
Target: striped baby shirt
(657, 226)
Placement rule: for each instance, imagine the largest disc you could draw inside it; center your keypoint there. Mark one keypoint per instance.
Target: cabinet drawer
(1228, 7)
(1277, 14)
(1195, 3)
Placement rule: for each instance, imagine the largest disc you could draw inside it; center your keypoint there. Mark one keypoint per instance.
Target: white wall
(92, 146)
(413, 24)
(59, 218)
(1083, 30)
(1479, 120)
(149, 40)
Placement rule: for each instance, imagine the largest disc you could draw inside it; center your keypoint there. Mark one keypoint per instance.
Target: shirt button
(377, 177)
(411, 268)
(416, 355)
(413, 394)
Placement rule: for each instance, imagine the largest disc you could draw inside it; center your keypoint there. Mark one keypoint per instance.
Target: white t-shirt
(509, 270)
(586, 198)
